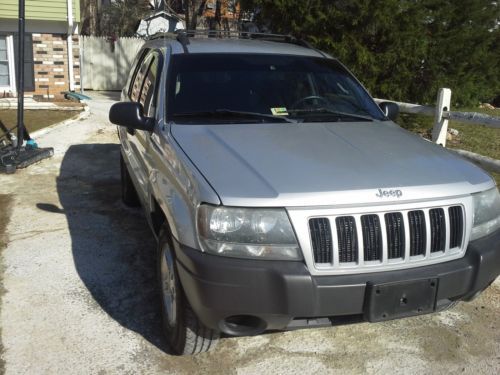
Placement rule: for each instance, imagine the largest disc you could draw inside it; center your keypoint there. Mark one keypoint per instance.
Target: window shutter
(29, 68)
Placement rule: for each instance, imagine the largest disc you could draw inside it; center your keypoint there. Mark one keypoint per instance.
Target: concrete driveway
(79, 295)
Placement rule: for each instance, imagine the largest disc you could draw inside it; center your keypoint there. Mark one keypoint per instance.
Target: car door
(142, 90)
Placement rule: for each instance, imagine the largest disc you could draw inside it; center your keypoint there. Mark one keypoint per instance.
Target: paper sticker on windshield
(280, 111)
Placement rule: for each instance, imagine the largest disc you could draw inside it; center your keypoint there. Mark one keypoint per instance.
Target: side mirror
(390, 109)
(130, 115)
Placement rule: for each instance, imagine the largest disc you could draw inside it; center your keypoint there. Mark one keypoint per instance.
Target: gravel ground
(79, 288)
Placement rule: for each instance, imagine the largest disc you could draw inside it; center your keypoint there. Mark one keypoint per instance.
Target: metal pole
(20, 78)
(440, 122)
(80, 47)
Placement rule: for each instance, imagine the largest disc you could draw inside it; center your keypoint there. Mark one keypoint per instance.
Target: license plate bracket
(400, 299)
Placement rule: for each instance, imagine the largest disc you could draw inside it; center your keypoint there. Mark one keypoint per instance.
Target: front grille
(388, 237)
(395, 235)
(438, 229)
(321, 236)
(416, 220)
(372, 237)
(456, 226)
(348, 239)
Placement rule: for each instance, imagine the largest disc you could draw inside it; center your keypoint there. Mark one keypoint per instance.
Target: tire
(129, 194)
(185, 333)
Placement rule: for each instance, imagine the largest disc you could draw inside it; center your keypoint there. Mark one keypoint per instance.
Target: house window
(7, 73)
(4, 62)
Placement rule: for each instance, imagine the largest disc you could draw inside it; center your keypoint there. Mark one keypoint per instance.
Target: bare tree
(90, 17)
(193, 9)
(121, 17)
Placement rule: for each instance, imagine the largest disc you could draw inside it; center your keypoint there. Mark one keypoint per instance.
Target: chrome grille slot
(372, 237)
(321, 237)
(416, 220)
(438, 230)
(456, 226)
(395, 235)
(348, 239)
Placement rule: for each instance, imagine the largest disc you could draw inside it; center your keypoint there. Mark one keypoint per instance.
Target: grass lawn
(35, 119)
(476, 138)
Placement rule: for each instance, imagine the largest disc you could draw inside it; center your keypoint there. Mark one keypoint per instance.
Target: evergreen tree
(401, 49)
(463, 50)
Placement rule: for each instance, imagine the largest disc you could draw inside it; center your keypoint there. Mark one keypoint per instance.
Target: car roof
(235, 45)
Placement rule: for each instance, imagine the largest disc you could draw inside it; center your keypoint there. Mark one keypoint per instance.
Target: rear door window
(148, 92)
(143, 87)
(137, 83)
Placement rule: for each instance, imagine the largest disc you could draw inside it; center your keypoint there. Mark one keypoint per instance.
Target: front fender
(178, 188)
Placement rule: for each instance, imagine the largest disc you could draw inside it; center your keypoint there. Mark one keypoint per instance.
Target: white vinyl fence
(442, 114)
(106, 63)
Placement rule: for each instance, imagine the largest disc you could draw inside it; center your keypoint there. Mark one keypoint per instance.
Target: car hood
(311, 164)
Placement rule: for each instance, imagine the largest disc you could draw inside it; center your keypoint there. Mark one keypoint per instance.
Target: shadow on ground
(5, 209)
(113, 249)
(107, 95)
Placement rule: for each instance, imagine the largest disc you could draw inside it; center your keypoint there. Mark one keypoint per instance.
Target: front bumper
(283, 294)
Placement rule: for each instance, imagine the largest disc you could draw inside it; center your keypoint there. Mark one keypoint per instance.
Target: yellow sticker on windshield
(280, 111)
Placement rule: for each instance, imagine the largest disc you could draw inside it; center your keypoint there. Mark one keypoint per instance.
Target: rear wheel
(185, 333)
(129, 194)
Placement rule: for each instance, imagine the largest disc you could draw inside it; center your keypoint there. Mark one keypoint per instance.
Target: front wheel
(185, 333)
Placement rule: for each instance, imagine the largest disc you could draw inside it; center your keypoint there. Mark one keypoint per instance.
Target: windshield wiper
(323, 110)
(237, 114)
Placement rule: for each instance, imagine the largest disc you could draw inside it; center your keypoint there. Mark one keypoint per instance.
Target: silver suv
(282, 196)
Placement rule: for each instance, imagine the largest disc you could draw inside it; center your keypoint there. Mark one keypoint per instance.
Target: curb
(45, 107)
(81, 116)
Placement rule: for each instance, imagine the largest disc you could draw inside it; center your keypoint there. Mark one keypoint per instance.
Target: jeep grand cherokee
(283, 196)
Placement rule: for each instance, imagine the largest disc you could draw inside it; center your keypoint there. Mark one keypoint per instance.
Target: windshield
(249, 88)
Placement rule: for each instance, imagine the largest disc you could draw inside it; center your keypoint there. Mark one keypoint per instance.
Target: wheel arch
(158, 218)
(175, 214)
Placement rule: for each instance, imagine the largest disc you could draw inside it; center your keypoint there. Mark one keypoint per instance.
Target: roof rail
(165, 35)
(227, 34)
(182, 36)
(184, 40)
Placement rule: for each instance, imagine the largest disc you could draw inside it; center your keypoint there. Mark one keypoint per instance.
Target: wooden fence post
(440, 123)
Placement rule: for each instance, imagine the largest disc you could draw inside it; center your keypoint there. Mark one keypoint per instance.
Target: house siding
(51, 10)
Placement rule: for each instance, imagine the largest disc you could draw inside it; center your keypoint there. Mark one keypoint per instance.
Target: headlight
(486, 213)
(247, 233)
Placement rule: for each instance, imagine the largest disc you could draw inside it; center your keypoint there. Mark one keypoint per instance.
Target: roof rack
(182, 36)
(184, 41)
(161, 36)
